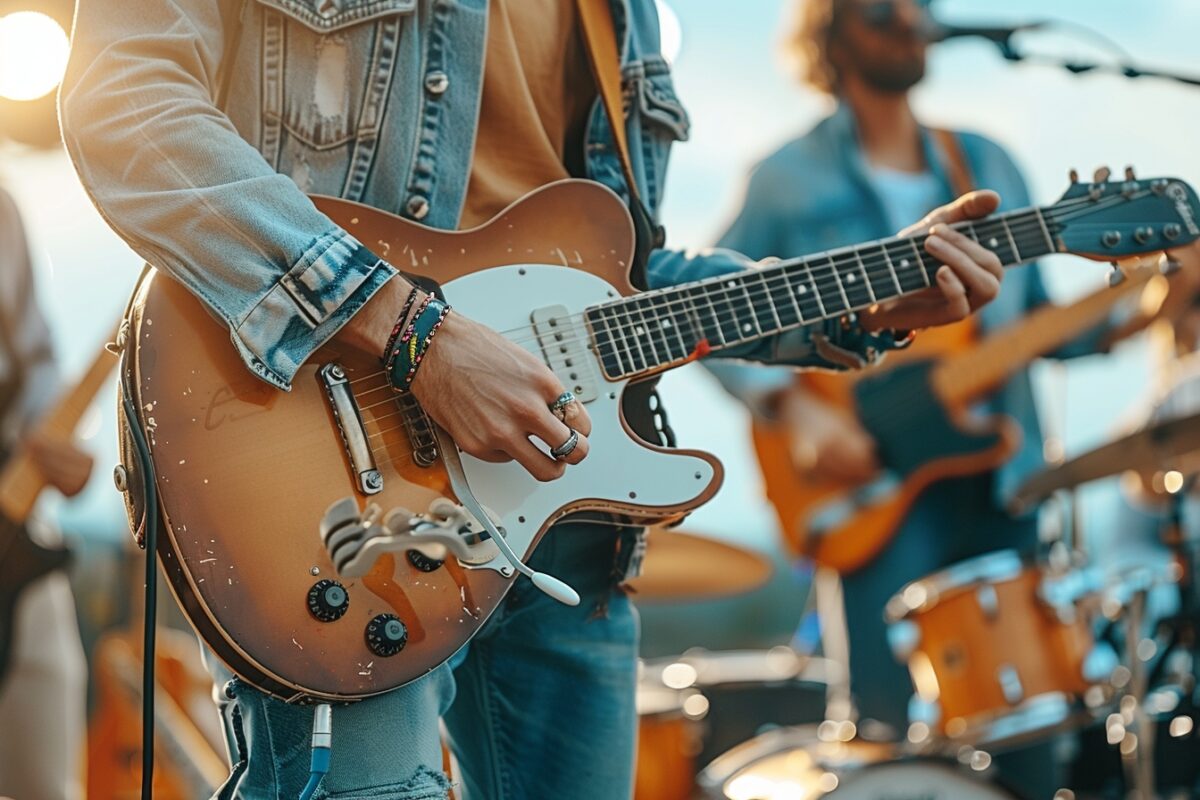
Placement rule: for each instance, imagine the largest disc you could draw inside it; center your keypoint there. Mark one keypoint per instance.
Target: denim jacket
(372, 100)
(839, 206)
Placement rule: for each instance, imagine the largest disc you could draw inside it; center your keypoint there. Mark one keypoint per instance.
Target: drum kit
(1003, 651)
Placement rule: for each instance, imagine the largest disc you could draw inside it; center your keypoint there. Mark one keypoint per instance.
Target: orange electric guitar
(330, 542)
(843, 526)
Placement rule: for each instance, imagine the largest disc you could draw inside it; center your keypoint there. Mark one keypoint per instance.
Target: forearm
(175, 179)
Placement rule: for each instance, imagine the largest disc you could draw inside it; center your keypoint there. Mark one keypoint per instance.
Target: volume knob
(386, 635)
(328, 600)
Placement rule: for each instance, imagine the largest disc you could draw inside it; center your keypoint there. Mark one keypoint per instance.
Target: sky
(743, 105)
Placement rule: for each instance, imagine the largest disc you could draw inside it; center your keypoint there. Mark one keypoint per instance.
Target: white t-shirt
(906, 196)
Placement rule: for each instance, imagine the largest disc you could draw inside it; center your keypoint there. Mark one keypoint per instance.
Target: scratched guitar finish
(245, 472)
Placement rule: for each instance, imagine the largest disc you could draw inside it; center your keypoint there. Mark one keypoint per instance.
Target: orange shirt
(537, 91)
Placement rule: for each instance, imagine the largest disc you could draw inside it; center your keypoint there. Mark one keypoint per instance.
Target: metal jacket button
(437, 82)
(417, 207)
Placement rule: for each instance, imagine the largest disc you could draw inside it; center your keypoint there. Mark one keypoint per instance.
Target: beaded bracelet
(404, 354)
(401, 319)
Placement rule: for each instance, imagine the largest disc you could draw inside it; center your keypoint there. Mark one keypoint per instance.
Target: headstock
(1113, 219)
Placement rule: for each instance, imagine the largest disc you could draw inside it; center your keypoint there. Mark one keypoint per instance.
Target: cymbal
(1156, 447)
(688, 566)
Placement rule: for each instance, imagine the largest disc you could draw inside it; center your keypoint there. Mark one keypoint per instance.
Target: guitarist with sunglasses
(445, 112)
(860, 174)
(43, 675)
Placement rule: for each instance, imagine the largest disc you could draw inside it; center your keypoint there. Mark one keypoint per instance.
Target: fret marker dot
(747, 327)
(993, 242)
(850, 278)
(904, 262)
(640, 331)
(666, 323)
(801, 289)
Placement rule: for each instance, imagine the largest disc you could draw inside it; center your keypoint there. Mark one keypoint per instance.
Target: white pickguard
(617, 468)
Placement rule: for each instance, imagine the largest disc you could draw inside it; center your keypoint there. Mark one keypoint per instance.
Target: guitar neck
(646, 333)
(20, 481)
(962, 379)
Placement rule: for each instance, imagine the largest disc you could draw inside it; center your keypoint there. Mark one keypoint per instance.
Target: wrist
(419, 319)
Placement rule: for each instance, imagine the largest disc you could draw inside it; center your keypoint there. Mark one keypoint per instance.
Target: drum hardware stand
(841, 715)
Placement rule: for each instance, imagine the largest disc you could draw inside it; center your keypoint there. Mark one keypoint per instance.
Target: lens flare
(33, 55)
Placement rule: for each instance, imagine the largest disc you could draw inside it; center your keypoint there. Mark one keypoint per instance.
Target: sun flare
(33, 55)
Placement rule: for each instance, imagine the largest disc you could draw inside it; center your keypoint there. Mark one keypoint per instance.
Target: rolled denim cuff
(308, 305)
(837, 344)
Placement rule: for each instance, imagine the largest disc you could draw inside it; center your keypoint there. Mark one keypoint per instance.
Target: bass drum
(793, 764)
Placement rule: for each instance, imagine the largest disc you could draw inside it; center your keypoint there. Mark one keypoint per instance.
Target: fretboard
(646, 333)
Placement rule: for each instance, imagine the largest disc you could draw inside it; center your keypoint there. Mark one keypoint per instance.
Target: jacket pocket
(661, 121)
(324, 69)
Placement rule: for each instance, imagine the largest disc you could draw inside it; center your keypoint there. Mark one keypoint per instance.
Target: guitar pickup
(564, 344)
(350, 426)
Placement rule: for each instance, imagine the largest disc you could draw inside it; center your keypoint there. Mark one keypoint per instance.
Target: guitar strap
(600, 39)
(954, 159)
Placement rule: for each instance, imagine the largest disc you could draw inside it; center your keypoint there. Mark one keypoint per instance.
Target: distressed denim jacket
(372, 100)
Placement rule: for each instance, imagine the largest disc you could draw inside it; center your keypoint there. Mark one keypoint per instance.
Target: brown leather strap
(600, 37)
(955, 161)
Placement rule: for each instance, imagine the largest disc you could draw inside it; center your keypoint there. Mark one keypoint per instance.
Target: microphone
(939, 32)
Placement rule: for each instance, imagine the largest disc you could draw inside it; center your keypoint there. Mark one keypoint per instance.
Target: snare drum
(997, 648)
(793, 764)
(698, 705)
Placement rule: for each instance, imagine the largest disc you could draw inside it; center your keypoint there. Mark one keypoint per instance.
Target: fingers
(954, 296)
(977, 269)
(972, 205)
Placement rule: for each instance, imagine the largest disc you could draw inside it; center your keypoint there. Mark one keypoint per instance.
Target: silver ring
(566, 448)
(558, 407)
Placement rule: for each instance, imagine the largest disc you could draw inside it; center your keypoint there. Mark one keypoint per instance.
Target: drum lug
(989, 603)
(1010, 684)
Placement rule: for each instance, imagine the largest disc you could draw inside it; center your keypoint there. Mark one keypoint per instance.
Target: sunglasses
(883, 14)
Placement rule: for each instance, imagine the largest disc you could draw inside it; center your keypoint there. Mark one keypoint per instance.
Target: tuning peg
(1116, 277)
(1129, 176)
(1073, 175)
(1101, 175)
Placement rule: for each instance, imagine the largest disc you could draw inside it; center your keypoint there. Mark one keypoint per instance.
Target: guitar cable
(322, 749)
(150, 612)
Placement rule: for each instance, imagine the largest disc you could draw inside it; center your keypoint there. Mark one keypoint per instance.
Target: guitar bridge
(350, 426)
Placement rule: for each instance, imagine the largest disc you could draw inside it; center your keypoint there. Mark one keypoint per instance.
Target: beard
(894, 76)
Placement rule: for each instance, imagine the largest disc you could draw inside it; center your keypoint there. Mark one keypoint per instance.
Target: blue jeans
(540, 705)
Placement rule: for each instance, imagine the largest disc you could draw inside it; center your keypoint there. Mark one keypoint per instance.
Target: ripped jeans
(540, 705)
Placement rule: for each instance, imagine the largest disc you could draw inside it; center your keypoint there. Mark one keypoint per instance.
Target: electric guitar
(272, 540)
(22, 560)
(843, 526)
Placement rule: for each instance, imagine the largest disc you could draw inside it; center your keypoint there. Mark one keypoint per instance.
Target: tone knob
(422, 561)
(328, 600)
(386, 635)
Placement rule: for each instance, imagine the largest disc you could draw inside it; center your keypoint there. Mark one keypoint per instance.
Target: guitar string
(1027, 218)
(1021, 230)
(387, 386)
(824, 275)
(1029, 226)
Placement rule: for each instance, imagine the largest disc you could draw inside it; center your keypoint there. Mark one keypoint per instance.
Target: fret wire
(762, 278)
(837, 279)
(647, 331)
(1011, 240)
(684, 347)
(920, 262)
(791, 290)
(619, 343)
(1050, 248)
(716, 318)
(630, 325)
(741, 284)
(866, 275)
(891, 268)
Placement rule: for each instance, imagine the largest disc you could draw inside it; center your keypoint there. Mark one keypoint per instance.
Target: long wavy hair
(808, 33)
